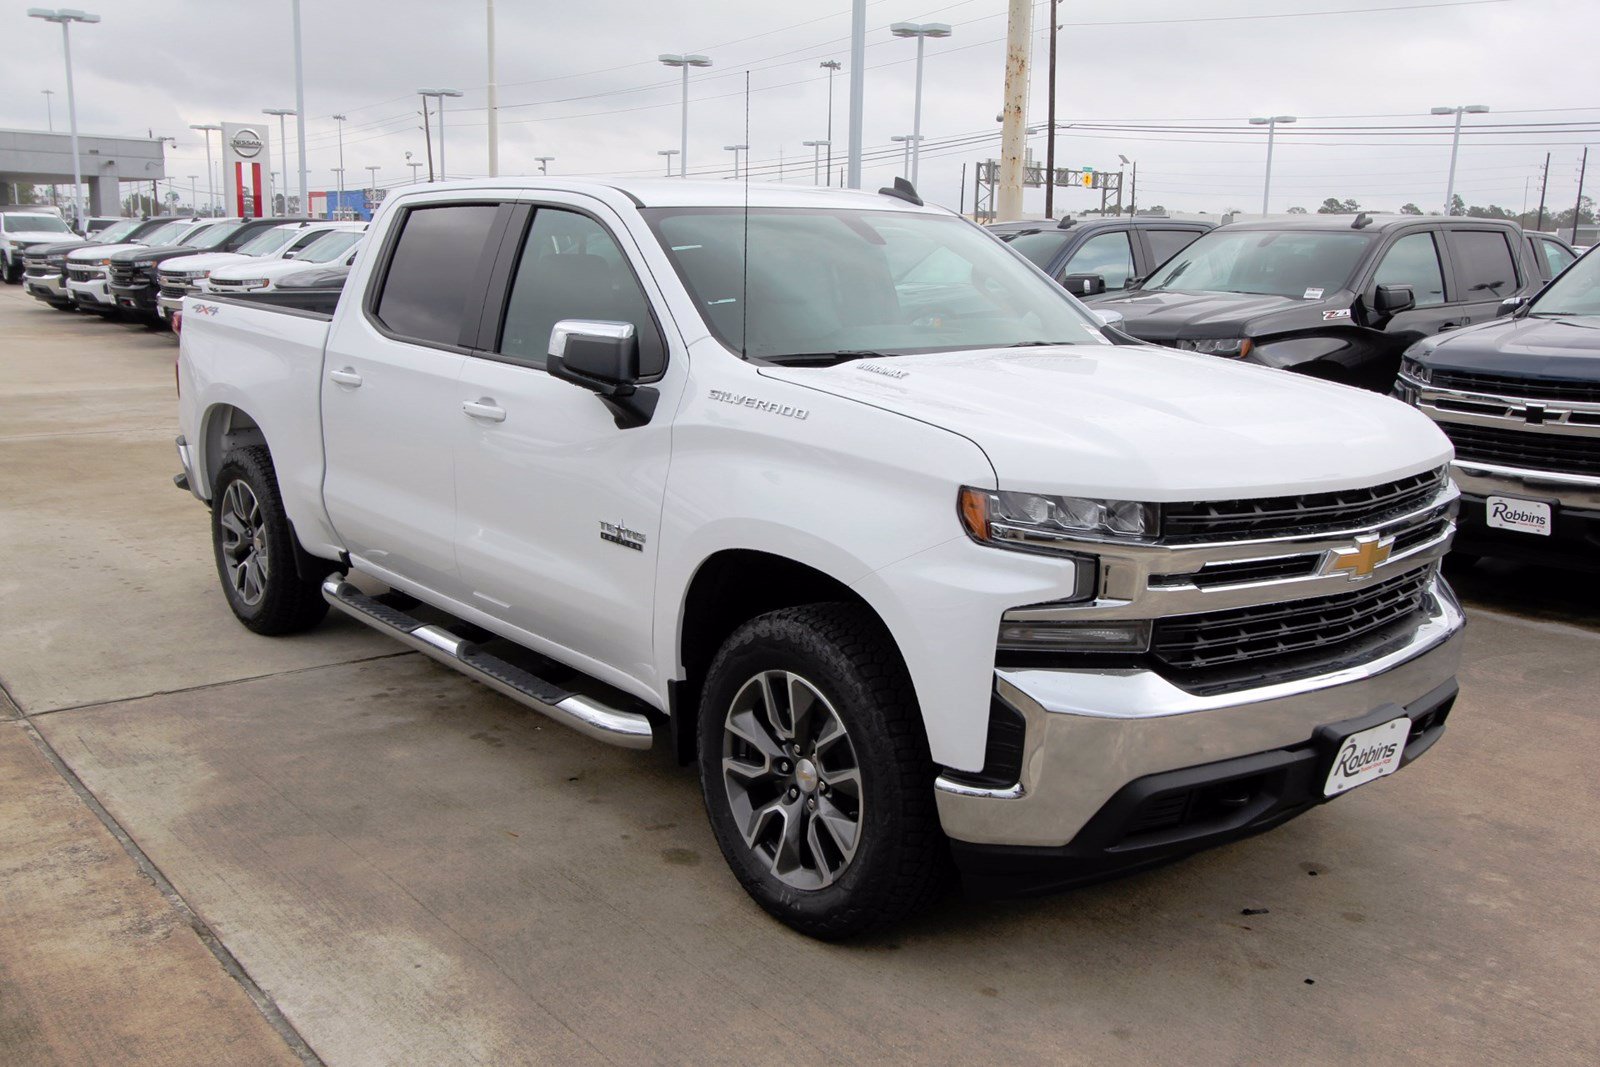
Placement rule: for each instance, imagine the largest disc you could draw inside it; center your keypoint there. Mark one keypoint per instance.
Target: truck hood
(61, 248)
(205, 261)
(93, 252)
(32, 237)
(1562, 348)
(267, 268)
(1167, 315)
(1141, 423)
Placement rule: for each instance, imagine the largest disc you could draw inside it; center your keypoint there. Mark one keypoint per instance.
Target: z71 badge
(1330, 316)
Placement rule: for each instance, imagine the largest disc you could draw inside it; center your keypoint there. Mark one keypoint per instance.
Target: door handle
(1443, 326)
(485, 410)
(345, 376)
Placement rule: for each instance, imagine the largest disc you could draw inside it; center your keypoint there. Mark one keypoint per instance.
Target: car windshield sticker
(1313, 294)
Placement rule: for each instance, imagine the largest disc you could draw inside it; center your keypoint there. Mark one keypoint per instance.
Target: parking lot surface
(216, 847)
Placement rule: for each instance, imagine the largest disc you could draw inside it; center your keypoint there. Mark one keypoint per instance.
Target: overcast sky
(579, 81)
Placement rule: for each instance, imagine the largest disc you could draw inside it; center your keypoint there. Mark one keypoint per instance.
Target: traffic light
(1088, 177)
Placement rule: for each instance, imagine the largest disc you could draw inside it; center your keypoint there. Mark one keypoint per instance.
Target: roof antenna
(1363, 220)
(744, 297)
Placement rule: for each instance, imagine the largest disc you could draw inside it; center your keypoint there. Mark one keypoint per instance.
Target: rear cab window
(1484, 264)
(1164, 244)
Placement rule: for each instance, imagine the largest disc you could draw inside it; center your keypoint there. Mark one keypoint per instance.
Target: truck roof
(678, 192)
(1377, 222)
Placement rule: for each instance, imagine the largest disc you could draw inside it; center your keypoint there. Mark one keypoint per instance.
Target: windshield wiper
(823, 359)
(1040, 344)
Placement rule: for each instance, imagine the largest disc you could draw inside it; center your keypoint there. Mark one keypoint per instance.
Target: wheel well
(227, 427)
(730, 588)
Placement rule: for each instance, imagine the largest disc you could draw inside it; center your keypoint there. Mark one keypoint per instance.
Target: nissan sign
(246, 142)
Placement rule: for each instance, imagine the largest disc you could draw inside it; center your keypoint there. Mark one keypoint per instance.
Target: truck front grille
(1510, 385)
(128, 277)
(1291, 516)
(1556, 452)
(84, 274)
(1271, 636)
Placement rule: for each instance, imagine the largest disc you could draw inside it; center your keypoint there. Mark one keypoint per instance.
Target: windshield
(216, 235)
(167, 234)
(1298, 263)
(828, 282)
(330, 246)
(1039, 248)
(114, 233)
(1576, 292)
(269, 242)
(33, 224)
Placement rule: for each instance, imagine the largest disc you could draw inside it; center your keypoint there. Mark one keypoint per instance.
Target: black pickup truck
(1333, 296)
(45, 266)
(134, 281)
(1090, 256)
(1520, 399)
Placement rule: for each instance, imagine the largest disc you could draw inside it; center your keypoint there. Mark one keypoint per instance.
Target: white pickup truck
(849, 504)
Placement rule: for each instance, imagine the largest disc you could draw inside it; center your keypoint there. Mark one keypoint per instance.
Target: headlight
(252, 283)
(1415, 369)
(1031, 522)
(1234, 347)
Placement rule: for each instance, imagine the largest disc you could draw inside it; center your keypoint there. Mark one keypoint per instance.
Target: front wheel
(11, 272)
(256, 550)
(816, 773)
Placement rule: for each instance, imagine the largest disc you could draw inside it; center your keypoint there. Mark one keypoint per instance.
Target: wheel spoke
(786, 859)
(745, 770)
(844, 829)
(755, 826)
(748, 728)
(775, 701)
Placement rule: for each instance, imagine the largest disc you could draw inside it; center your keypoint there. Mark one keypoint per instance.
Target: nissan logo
(246, 142)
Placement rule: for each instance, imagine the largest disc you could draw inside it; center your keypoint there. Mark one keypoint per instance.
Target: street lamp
(1271, 124)
(49, 113)
(194, 192)
(414, 168)
(544, 162)
(735, 149)
(211, 189)
(283, 147)
(921, 31)
(906, 141)
(66, 17)
(814, 145)
(338, 209)
(684, 61)
(669, 153)
(341, 120)
(1455, 144)
(440, 94)
(832, 67)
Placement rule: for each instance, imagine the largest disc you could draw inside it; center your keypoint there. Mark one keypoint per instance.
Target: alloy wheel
(244, 543)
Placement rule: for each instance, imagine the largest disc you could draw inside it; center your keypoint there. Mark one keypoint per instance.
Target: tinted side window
(1485, 265)
(1555, 255)
(1164, 244)
(309, 238)
(571, 268)
(1414, 261)
(1108, 255)
(431, 275)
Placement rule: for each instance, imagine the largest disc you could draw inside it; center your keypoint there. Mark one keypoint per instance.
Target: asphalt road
(220, 848)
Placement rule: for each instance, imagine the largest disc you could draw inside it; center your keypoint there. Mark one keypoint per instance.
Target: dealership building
(35, 157)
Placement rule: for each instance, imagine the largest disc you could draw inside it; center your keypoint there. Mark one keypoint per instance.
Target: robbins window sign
(246, 179)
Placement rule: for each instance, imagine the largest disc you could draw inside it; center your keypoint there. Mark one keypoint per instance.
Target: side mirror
(1114, 319)
(1512, 304)
(1084, 284)
(603, 357)
(1393, 299)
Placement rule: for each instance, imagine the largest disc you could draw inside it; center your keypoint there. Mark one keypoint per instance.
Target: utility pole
(1013, 117)
(427, 136)
(1050, 148)
(494, 111)
(1543, 182)
(832, 66)
(1577, 208)
(858, 86)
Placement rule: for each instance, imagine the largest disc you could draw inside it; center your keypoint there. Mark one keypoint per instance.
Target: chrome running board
(626, 729)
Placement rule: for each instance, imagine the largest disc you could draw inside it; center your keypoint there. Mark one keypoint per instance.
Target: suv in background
(1091, 256)
(22, 230)
(1333, 296)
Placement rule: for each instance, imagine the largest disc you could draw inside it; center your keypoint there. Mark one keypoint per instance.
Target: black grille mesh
(1310, 513)
(1510, 385)
(1561, 453)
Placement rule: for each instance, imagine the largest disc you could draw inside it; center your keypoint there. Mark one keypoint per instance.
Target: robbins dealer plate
(1366, 755)
(1523, 516)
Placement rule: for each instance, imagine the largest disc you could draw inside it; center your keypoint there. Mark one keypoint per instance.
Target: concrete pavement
(394, 865)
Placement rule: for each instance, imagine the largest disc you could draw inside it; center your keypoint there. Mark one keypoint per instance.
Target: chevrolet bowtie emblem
(1360, 560)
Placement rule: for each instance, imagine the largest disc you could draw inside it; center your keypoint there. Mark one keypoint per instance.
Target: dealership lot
(324, 847)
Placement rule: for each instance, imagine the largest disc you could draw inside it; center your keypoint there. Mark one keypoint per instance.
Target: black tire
(286, 595)
(899, 860)
(12, 272)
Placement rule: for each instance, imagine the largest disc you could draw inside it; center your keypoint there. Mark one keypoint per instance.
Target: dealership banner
(246, 169)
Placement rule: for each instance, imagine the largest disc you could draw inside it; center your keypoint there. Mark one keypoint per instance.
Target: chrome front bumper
(1089, 733)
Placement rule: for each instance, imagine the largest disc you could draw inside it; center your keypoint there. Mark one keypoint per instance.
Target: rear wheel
(816, 773)
(264, 571)
(11, 271)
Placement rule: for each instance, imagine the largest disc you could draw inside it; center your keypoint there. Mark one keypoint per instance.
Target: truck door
(1487, 270)
(558, 510)
(390, 412)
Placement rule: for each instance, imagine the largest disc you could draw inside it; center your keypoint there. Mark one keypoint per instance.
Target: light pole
(832, 66)
(1133, 194)
(211, 189)
(66, 17)
(494, 109)
(414, 168)
(1455, 144)
(440, 94)
(283, 147)
(906, 141)
(735, 149)
(669, 153)
(858, 91)
(194, 192)
(921, 31)
(815, 158)
(341, 120)
(338, 209)
(49, 113)
(684, 61)
(544, 163)
(1271, 124)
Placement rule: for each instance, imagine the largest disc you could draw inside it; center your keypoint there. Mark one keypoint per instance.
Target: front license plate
(1523, 516)
(1366, 755)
